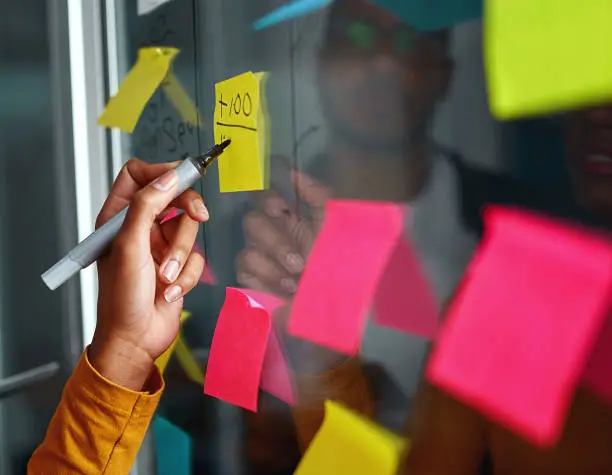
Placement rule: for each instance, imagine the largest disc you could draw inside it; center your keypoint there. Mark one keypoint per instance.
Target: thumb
(146, 205)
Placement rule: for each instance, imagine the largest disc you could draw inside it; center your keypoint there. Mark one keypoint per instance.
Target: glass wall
(363, 107)
(39, 329)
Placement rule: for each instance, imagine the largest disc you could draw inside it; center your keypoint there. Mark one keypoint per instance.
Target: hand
(278, 243)
(146, 273)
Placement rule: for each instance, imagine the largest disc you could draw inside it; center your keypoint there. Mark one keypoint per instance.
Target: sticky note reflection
(241, 115)
(172, 448)
(545, 56)
(357, 243)
(290, 11)
(428, 15)
(163, 360)
(275, 377)
(518, 335)
(237, 351)
(348, 443)
(124, 108)
(181, 101)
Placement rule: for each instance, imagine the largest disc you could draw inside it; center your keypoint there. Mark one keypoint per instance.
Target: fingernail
(166, 181)
(171, 270)
(274, 207)
(172, 294)
(289, 285)
(200, 209)
(295, 262)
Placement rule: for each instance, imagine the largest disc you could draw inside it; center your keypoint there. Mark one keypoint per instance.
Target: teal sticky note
(172, 448)
(432, 15)
(290, 11)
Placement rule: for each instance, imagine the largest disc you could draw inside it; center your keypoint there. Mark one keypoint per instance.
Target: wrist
(121, 362)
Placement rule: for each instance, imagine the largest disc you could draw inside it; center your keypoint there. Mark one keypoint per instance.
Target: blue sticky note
(172, 448)
(290, 11)
(431, 15)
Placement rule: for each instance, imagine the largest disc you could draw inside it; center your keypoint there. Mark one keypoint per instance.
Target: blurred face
(590, 157)
(379, 79)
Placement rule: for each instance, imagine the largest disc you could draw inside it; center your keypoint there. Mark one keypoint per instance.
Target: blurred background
(346, 83)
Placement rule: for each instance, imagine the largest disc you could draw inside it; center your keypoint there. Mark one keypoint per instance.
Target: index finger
(313, 193)
(135, 175)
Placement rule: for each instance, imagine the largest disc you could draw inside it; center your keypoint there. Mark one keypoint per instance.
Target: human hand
(146, 273)
(278, 240)
(278, 244)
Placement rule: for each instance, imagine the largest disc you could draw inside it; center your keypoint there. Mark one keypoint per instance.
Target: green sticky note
(546, 56)
(172, 448)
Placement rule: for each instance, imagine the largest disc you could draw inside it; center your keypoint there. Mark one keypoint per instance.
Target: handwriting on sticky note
(343, 272)
(549, 66)
(290, 11)
(124, 109)
(237, 351)
(275, 378)
(348, 443)
(425, 15)
(240, 116)
(172, 448)
(517, 337)
(162, 361)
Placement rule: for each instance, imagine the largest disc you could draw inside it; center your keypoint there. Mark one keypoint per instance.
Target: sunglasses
(367, 35)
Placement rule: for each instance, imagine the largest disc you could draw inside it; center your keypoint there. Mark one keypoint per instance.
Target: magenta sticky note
(518, 335)
(237, 351)
(405, 300)
(343, 272)
(275, 378)
(598, 371)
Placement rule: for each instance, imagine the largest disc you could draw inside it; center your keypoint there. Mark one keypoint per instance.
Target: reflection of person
(108, 402)
(379, 83)
(449, 438)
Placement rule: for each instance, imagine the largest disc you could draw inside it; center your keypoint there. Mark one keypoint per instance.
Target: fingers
(180, 234)
(191, 202)
(258, 271)
(187, 279)
(134, 175)
(273, 241)
(144, 208)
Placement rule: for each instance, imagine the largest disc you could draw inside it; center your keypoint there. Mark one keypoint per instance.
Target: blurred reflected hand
(278, 240)
(278, 244)
(146, 273)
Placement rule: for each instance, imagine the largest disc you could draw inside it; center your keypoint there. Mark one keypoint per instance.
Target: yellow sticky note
(180, 99)
(348, 443)
(124, 109)
(241, 115)
(162, 361)
(544, 56)
(188, 362)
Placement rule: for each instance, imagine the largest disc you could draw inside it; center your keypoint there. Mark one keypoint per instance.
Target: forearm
(98, 426)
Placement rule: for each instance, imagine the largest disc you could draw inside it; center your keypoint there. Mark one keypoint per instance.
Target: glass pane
(32, 318)
(363, 107)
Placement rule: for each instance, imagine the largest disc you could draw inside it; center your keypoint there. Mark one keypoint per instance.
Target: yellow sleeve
(98, 426)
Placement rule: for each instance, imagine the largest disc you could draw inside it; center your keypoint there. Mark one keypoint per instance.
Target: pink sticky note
(598, 371)
(404, 300)
(237, 351)
(275, 377)
(343, 271)
(518, 335)
(174, 212)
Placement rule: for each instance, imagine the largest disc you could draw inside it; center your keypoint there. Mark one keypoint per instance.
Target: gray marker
(94, 245)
